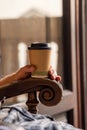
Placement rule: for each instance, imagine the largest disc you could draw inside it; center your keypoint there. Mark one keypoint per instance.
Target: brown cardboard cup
(40, 56)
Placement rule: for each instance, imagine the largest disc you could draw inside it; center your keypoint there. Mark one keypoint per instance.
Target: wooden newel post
(32, 102)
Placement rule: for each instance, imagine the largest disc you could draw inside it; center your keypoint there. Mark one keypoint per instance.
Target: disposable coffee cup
(40, 56)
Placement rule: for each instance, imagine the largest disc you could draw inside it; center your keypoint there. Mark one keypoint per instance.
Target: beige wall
(11, 9)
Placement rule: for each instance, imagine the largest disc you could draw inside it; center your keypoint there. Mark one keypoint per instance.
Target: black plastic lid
(39, 46)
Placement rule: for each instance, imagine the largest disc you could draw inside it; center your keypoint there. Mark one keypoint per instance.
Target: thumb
(30, 68)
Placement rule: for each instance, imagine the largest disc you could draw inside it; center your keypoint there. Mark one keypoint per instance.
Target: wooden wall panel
(32, 29)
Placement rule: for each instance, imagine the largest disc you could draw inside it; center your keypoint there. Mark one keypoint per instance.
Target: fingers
(25, 72)
(58, 78)
(53, 75)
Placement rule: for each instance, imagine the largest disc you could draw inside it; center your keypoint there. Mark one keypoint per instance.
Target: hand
(24, 72)
(53, 75)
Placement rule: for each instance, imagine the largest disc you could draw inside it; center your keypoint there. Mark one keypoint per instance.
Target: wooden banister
(48, 92)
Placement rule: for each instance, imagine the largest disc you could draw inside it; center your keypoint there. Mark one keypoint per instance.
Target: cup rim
(39, 45)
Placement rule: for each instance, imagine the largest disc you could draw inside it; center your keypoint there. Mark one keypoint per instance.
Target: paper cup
(40, 56)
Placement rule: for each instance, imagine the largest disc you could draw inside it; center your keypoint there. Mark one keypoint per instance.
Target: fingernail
(58, 78)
